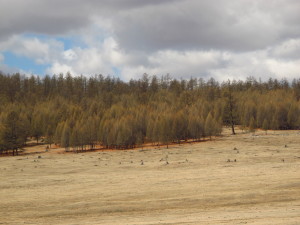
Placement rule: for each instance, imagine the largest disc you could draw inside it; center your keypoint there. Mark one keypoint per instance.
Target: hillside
(197, 186)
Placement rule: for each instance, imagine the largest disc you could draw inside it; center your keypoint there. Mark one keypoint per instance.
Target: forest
(80, 113)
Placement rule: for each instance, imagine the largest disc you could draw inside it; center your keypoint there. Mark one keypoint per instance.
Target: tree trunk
(232, 128)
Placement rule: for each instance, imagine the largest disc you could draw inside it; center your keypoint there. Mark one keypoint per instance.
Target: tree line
(80, 113)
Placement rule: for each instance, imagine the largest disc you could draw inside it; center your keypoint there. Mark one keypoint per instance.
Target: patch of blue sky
(24, 64)
(69, 41)
(116, 71)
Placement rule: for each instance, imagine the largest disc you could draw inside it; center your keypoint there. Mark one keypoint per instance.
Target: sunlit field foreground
(243, 179)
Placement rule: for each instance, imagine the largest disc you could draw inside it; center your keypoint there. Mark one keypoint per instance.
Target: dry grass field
(197, 186)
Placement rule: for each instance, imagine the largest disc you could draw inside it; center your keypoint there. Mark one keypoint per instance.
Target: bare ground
(197, 186)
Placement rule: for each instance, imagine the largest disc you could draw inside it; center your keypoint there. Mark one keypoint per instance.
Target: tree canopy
(80, 112)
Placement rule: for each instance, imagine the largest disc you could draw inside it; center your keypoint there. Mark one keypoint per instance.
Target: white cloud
(89, 60)
(178, 64)
(218, 64)
(287, 69)
(278, 61)
(242, 65)
(287, 50)
(70, 55)
(257, 64)
(42, 52)
(58, 68)
(223, 39)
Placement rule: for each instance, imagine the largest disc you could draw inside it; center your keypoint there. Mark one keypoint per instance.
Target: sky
(223, 39)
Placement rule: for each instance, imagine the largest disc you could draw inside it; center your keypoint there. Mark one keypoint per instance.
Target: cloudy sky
(126, 38)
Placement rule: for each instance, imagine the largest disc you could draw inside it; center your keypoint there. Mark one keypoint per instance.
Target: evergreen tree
(230, 108)
(13, 134)
(81, 112)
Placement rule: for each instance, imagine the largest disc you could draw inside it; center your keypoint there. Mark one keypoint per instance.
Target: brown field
(198, 186)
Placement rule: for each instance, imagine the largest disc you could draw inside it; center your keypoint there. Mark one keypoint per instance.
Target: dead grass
(197, 186)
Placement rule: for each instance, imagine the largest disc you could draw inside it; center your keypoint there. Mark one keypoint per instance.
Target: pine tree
(230, 108)
(116, 114)
(37, 125)
(13, 132)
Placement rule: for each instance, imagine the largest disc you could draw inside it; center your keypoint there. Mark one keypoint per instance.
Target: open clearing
(198, 186)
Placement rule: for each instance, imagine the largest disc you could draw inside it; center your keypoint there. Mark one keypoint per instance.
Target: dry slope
(196, 186)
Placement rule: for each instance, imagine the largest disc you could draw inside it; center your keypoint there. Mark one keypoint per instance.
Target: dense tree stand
(78, 113)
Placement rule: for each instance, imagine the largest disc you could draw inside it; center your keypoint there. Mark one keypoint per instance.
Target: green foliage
(230, 112)
(13, 131)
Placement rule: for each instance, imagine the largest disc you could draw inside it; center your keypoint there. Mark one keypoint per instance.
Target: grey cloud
(154, 24)
(45, 17)
(57, 16)
(288, 50)
(168, 36)
(231, 25)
